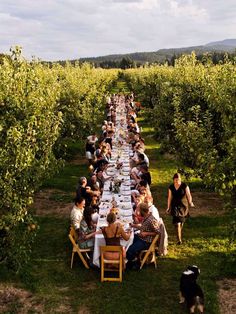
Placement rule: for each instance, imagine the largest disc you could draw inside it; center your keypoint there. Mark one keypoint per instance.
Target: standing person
(179, 199)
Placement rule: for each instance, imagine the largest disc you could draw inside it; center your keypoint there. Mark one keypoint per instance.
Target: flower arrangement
(116, 186)
(119, 165)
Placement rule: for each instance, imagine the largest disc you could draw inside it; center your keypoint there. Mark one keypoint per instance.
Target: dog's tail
(199, 303)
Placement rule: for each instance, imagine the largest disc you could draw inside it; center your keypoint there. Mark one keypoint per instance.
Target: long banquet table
(119, 170)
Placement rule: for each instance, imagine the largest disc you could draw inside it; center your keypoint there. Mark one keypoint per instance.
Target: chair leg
(83, 260)
(146, 257)
(144, 260)
(120, 271)
(72, 260)
(102, 269)
(155, 259)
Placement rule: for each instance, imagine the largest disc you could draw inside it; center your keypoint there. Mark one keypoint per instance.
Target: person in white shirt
(77, 213)
(90, 147)
(152, 209)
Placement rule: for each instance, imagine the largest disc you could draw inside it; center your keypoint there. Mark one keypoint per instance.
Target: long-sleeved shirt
(76, 216)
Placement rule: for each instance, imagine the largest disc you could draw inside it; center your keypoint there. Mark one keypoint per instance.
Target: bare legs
(178, 229)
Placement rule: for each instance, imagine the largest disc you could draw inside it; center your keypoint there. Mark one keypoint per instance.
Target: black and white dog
(190, 291)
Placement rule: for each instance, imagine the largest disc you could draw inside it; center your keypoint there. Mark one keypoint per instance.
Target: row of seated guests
(100, 147)
(91, 190)
(146, 215)
(148, 228)
(84, 213)
(84, 222)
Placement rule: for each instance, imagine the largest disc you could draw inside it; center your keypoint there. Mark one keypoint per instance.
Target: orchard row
(192, 107)
(40, 107)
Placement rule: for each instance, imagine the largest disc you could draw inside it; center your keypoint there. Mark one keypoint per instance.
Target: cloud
(69, 29)
(126, 1)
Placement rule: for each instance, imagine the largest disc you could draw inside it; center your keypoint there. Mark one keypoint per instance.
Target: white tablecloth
(120, 154)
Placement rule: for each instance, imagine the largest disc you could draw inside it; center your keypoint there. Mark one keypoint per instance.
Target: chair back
(144, 255)
(76, 248)
(111, 262)
(154, 242)
(72, 235)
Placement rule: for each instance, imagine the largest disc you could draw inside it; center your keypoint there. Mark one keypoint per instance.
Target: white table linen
(120, 155)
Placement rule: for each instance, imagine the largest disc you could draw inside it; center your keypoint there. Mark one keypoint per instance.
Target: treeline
(40, 108)
(137, 60)
(192, 107)
(215, 57)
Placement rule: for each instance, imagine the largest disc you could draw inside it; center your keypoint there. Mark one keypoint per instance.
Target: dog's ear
(195, 269)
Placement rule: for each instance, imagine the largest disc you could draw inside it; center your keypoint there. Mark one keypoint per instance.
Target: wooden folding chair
(149, 256)
(77, 249)
(113, 262)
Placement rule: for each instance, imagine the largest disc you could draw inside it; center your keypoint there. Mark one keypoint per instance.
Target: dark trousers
(137, 246)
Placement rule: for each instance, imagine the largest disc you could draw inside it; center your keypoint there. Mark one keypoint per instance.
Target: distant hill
(227, 42)
(161, 55)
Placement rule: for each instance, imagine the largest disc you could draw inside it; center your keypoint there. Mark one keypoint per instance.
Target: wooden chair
(77, 249)
(149, 256)
(117, 263)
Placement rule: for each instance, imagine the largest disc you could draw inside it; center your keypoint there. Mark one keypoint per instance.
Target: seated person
(152, 208)
(95, 205)
(105, 152)
(108, 139)
(148, 230)
(142, 158)
(77, 213)
(112, 234)
(90, 147)
(93, 182)
(87, 229)
(145, 174)
(141, 173)
(100, 179)
(100, 163)
(137, 214)
(81, 188)
(84, 190)
(135, 173)
(143, 190)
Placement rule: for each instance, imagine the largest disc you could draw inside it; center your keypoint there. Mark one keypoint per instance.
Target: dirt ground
(45, 203)
(227, 296)
(12, 299)
(206, 204)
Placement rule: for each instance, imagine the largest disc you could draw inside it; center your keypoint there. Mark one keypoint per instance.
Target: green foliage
(29, 126)
(41, 110)
(192, 107)
(16, 241)
(82, 97)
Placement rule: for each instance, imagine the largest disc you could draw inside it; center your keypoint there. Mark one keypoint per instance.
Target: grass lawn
(58, 289)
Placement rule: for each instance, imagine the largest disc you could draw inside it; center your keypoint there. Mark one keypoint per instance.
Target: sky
(72, 29)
